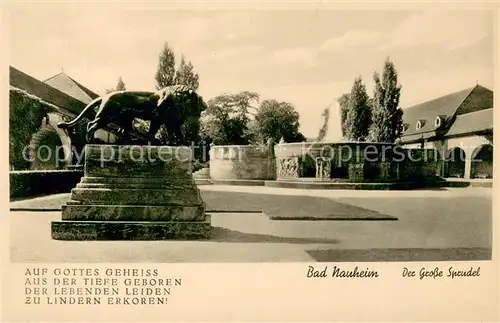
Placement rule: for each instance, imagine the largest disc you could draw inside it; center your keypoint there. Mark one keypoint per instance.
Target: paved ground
(278, 207)
(444, 224)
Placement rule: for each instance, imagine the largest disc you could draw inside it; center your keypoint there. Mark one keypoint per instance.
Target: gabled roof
(66, 84)
(48, 106)
(480, 98)
(473, 122)
(450, 106)
(429, 110)
(44, 91)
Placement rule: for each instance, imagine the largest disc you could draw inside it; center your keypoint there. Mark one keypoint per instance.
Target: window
(437, 122)
(420, 124)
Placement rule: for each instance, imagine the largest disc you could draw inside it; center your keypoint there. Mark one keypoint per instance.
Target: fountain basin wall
(242, 162)
(356, 162)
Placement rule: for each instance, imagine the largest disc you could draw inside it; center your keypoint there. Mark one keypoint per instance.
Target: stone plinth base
(133, 212)
(134, 193)
(125, 230)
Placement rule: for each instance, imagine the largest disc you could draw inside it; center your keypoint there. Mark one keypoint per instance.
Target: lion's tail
(85, 112)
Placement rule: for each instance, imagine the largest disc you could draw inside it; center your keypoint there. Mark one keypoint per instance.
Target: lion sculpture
(170, 106)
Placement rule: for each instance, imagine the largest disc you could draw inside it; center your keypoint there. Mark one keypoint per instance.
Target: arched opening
(46, 150)
(482, 162)
(455, 160)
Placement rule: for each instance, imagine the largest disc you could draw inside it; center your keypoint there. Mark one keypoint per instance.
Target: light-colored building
(459, 126)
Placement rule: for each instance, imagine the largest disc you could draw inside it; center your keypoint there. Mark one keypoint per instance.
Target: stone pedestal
(134, 193)
(202, 177)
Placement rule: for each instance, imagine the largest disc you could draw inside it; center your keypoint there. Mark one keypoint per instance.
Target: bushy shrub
(26, 115)
(307, 166)
(32, 183)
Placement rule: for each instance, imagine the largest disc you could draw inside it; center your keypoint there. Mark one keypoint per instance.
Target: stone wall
(242, 162)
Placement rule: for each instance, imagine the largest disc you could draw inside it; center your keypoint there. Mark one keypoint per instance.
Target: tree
(358, 118)
(185, 75)
(276, 120)
(27, 113)
(120, 86)
(165, 72)
(225, 122)
(344, 107)
(387, 116)
(324, 127)
(167, 75)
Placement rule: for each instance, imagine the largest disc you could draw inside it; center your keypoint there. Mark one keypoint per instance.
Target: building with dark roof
(67, 104)
(460, 126)
(63, 99)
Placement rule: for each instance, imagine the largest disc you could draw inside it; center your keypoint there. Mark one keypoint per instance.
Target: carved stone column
(323, 168)
(468, 167)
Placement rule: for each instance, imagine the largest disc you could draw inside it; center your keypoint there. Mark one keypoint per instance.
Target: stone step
(92, 196)
(140, 230)
(189, 186)
(76, 167)
(201, 177)
(203, 173)
(204, 170)
(134, 180)
(132, 169)
(202, 181)
(125, 186)
(133, 212)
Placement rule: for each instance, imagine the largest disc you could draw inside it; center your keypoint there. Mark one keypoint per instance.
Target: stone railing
(242, 162)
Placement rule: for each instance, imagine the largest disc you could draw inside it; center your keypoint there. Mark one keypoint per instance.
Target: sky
(306, 57)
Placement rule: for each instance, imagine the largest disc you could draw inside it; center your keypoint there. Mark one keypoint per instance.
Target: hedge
(26, 115)
(34, 183)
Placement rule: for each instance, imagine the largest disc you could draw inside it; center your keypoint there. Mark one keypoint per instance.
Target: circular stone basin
(242, 162)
